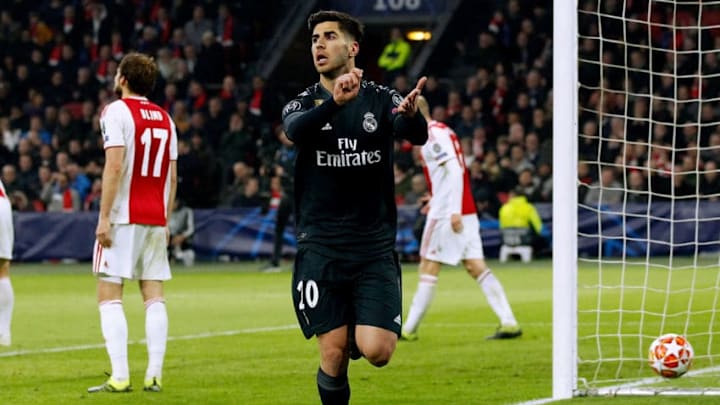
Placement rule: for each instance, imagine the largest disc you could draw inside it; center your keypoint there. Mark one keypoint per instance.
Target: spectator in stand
(540, 125)
(710, 181)
(466, 123)
(37, 129)
(181, 117)
(195, 28)
(523, 109)
(528, 185)
(395, 56)
(518, 159)
(78, 180)
(216, 123)
(545, 186)
(240, 175)
(585, 178)
(479, 143)
(636, 187)
(484, 52)
(418, 189)
(483, 191)
(403, 179)
(10, 136)
(250, 197)
(92, 200)
(66, 129)
(434, 93)
(63, 198)
(9, 178)
(532, 148)
(605, 191)
(182, 228)
(237, 144)
(210, 68)
(27, 176)
(262, 103)
(229, 93)
(454, 106)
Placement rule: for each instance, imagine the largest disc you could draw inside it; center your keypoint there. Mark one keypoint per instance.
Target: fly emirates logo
(349, 156)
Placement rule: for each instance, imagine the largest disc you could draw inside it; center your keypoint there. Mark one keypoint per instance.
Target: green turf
(235, 341)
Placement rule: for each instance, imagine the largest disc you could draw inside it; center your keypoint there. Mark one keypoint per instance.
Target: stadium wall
(247, 233)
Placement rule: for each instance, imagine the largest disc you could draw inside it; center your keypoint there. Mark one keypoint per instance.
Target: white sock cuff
(152, 301)
(428, 279)
(483, 275)
(109, 302)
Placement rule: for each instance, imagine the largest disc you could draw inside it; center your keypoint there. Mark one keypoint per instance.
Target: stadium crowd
(59, 60)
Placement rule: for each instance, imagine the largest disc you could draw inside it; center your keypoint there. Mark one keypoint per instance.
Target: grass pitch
(234, 340)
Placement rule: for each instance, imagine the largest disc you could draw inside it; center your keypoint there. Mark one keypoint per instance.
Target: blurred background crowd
(490, 78)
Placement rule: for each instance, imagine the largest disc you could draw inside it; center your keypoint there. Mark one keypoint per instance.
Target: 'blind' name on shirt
(151, 115)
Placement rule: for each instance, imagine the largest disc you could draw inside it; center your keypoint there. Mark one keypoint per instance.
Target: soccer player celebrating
(346, 279)
(452, 230)
(138, 188)
(7, 298)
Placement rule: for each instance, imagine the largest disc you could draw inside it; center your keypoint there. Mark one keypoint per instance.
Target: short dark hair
(140, 71)
(348, 24)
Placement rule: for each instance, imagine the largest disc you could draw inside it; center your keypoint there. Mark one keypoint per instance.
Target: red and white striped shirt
(149, 137)
(447, 178)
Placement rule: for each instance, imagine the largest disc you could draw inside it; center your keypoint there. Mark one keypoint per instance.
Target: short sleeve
(112, 123)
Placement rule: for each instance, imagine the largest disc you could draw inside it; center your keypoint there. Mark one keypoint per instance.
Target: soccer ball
(670, 355)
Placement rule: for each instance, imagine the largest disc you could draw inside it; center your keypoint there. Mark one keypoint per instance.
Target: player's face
(117, 88)
(331, 49)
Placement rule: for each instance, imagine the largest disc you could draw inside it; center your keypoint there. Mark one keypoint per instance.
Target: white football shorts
(441, 244)
(6, 229)
(138, 252)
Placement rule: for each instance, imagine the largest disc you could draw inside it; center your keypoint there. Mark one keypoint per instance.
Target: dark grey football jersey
(344, 181)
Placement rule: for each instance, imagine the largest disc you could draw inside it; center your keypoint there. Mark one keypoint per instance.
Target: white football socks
(156, 332)
(495, 295)
(421, 302)
(7, 301)
(115, 331)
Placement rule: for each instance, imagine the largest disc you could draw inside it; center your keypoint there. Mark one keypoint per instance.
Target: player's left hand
(456, 223)
(102, 233)
(408, 107)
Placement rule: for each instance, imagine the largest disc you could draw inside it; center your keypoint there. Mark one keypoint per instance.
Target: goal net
(643, 108)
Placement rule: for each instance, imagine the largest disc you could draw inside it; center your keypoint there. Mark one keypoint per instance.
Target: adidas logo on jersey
(327, 127)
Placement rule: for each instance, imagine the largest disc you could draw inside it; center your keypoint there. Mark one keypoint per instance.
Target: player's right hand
(102, 233)
(347, 86)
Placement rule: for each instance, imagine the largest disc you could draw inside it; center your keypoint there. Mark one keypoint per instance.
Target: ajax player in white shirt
(7, 297)
(452, 231)
(138, 188)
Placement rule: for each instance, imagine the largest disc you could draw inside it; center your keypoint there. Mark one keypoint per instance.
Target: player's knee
(333, 356)
(379, 355)
(476, 268)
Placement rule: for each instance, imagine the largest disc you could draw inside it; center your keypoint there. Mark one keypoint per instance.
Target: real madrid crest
(370, 123)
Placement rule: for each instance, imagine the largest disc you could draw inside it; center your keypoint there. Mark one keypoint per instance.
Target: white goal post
(636, 231)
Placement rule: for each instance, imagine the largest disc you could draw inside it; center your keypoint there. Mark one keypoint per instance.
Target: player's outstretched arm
(408, 107)
(408, 123)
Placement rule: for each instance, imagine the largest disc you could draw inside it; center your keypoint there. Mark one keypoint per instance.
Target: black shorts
(329, 293)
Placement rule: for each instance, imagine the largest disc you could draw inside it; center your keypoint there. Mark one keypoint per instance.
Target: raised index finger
(420, 84)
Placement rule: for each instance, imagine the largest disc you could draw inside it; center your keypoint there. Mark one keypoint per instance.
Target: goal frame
(565, 223)
(565, 157)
